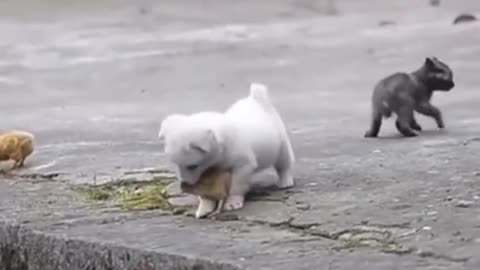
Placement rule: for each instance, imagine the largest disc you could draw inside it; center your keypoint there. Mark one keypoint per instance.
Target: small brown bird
(213, 185)
(16, 145)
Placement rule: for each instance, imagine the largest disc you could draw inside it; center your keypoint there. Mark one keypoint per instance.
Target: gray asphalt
(94, 80)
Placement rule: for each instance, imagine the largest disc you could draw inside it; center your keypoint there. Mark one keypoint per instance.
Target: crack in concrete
(37, 177)
(467, 142)
(438, 256)
(360, 237)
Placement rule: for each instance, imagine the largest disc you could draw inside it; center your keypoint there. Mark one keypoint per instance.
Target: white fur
(205, 207)
(248, 138)
(168, 122)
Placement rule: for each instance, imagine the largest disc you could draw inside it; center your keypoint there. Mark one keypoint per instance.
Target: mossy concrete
(139, 195)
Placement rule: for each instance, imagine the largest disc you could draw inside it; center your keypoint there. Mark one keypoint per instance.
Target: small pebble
(226, 217)
(465, 239)
(401, 207)
(464, 18)
(425, 253)
(434, 3)
(303, 206)
(456, 178)
(189, 214)
(142, 10)
(386, 23)
(179, 211)
(138, 191)
(463, 204)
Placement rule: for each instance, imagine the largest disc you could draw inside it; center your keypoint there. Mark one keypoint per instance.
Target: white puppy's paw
(234, 202)
(205, 207)
(286, 180)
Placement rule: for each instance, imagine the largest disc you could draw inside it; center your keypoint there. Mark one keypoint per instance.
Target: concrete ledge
(22, 249)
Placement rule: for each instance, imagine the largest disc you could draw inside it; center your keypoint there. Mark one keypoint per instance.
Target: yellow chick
(16, 145)
(213, 185)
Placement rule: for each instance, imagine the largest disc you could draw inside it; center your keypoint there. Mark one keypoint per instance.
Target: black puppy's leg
(405, 115)
(375, 124)
(432, 111)
(414, 124)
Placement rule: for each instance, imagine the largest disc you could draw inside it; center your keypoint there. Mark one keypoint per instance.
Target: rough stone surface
(93, 79)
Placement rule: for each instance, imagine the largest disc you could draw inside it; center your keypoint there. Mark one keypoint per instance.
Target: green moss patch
(130, 195)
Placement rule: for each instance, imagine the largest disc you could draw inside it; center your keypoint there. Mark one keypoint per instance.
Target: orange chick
(16, 145)
(213, 185)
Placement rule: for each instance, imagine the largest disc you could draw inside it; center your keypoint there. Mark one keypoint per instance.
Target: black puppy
(403, 93)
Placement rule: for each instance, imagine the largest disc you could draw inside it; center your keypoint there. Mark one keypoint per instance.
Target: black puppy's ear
(429, 62)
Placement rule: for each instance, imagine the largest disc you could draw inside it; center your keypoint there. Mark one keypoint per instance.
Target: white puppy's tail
(259, 92)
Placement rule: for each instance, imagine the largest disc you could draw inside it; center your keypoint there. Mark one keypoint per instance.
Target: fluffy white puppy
(248, 138)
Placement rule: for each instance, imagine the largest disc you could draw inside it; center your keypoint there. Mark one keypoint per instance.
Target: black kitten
(403, 93)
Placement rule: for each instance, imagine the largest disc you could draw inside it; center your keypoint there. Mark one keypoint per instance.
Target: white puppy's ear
(169, 123)
(204, 142)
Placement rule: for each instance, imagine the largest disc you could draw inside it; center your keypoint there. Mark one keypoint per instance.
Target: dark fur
(403, 93)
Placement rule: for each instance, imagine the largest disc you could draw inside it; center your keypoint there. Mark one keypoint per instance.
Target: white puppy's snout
(187, 181)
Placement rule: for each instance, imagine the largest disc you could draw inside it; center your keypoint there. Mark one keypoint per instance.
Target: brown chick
(213, 185)
(16, 145)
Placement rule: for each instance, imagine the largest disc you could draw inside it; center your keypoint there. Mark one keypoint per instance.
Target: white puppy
(248, 138)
